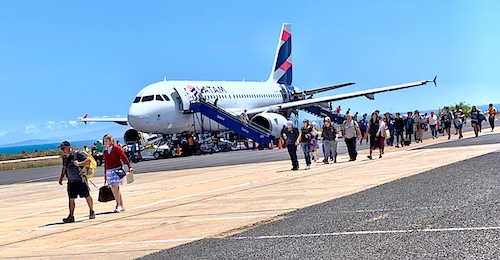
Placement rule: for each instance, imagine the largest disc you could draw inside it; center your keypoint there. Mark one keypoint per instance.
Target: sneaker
(369, 157)
(92, 214)
(380, 156)
(308, 167)
(69, 219)
(295, 168)
(397, 146)
(118, 209)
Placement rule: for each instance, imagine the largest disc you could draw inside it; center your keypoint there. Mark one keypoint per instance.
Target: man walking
(77, 183)
(492, 112)
(291, 135)
(447, 117)
(351, 132)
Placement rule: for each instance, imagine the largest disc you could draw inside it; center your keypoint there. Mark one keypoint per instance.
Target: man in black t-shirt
(77, 183)
(291, 134)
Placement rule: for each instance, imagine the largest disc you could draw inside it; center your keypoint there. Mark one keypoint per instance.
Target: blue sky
(63, 59)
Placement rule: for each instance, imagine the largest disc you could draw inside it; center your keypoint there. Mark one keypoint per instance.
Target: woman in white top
(432, 122)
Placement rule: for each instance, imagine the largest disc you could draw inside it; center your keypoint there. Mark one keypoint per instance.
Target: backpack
(89, 169)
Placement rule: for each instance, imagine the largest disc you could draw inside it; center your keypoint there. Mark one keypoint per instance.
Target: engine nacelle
(133, 136)
(270, 121)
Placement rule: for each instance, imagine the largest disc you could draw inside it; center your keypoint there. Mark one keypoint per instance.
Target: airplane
(163, 107)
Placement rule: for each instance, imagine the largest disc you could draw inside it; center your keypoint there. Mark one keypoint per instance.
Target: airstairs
(232, 122)
(323, 112)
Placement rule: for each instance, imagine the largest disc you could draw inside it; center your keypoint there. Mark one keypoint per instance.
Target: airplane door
(182, 99)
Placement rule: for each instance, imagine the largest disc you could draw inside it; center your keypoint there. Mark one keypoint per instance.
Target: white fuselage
(159, 107)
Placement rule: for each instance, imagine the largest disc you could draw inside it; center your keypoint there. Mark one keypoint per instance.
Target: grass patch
(9, 166)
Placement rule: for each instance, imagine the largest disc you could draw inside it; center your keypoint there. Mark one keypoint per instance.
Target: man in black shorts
(447, 118)
(77, 183)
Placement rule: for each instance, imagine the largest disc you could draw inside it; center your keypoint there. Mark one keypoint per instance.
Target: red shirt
(115, 158)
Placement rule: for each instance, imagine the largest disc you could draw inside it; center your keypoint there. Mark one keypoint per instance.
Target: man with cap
(77, 183)
(291, 135)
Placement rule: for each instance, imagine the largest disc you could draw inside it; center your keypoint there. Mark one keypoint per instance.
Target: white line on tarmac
(369, 232)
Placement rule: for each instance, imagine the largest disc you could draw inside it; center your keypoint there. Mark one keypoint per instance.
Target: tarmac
(224, 212)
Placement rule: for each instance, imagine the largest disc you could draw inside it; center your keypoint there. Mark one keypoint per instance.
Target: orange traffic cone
(178, 150)
(280, 143)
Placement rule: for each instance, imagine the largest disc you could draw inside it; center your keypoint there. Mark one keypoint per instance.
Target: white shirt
(433, 119)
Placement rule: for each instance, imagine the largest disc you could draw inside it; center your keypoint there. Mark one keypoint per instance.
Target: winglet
(84, 117)
(435, 77)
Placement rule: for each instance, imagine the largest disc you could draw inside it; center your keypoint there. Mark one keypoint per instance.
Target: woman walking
(113, 158)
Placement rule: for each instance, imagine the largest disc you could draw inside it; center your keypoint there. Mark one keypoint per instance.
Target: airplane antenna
(165, 78)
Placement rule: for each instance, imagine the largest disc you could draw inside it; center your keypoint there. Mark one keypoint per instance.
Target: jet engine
(133, 136)
(270, 121)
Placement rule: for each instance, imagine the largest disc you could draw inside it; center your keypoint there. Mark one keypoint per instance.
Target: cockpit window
(166, 97)
(137, 99)
(147, 98)
(158, 97)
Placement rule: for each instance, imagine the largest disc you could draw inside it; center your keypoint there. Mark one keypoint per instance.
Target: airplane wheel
(261, 146)
(156, 155)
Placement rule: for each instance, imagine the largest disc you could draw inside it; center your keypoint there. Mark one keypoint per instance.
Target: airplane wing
(323, 89)
(370, 94)
(118, 120)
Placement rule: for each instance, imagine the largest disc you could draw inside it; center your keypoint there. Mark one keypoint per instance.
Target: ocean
(43, 147)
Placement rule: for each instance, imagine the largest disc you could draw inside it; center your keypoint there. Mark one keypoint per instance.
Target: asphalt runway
(450, 212)
(51, 174)
(447, 212)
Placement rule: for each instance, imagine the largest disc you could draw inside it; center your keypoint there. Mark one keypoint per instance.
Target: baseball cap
(64, 144)
(289, 122)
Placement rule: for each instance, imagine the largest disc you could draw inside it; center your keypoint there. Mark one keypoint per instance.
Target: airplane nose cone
(137, 115)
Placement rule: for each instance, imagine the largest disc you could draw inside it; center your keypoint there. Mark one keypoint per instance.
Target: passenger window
(148, 98)
(137, 99)
(158, 97)
(166, 97)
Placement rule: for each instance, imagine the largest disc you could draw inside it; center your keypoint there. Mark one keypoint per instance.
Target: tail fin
(282, 69)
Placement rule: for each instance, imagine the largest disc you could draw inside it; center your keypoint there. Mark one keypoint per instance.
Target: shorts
(78, 188)
(458, 127)
(447, 125)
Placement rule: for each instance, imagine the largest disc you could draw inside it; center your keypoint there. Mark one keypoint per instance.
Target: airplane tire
(262, 146)
(156, 155)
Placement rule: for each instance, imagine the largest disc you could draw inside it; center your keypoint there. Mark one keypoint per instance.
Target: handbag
(105, 194)
(130, 177)
(387, 133)
(120, 173)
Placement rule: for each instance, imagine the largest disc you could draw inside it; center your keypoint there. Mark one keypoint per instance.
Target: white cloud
(53, 125)
(3, 132)
(31, 129)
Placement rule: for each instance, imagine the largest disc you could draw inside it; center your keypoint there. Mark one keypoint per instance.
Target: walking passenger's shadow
(86, 218)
